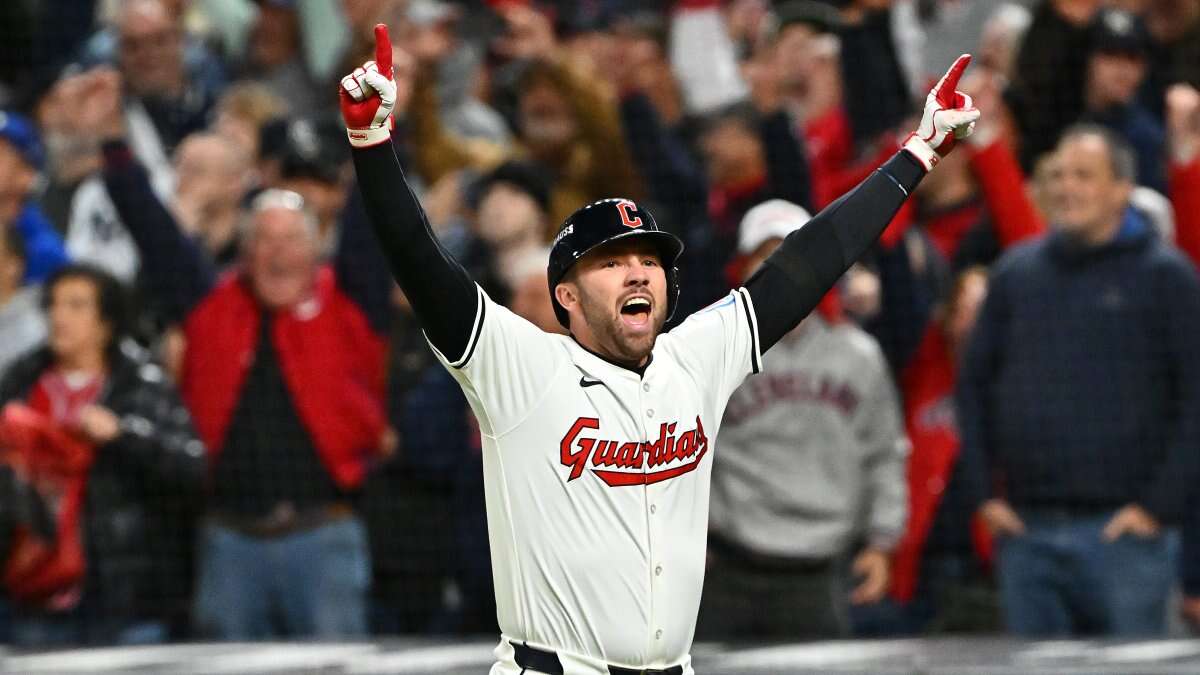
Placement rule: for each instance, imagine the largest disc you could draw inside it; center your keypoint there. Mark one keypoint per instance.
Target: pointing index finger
(383, 50)
(945, 88)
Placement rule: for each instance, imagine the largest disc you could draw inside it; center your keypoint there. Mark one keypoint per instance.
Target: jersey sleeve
(506, 367)
(720, 343)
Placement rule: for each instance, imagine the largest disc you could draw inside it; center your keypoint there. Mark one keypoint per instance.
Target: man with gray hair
(283, 374)
(811, 473)
(1079, 405)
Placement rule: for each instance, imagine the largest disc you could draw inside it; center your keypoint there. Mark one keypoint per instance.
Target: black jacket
(142, 491)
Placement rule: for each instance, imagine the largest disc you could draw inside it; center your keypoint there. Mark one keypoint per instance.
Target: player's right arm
(443, 296)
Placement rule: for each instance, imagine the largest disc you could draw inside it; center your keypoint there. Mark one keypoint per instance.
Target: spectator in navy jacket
(1116, 69)
(1079, 405)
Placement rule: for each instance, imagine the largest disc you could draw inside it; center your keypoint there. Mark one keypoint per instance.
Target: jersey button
(658, 634)
(658, 571)
(650, 412)
(653, 508)
(645, 386)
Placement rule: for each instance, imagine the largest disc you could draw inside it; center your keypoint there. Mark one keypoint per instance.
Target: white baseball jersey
(597, 482)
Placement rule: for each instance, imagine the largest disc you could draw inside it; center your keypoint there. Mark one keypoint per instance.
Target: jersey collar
(639, 372)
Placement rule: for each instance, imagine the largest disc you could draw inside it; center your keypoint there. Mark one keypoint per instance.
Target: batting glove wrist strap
(370, 137)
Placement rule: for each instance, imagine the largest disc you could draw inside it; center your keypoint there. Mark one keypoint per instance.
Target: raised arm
(1183, 121)
(178, 271)
(442, 294)
(813, 258)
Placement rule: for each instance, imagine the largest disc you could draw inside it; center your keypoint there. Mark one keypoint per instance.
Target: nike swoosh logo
(584, 382)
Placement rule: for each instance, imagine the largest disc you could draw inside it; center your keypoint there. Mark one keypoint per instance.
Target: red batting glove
(368, 94)
(949, 116)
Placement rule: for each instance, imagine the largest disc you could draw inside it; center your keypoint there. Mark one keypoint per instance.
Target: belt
(547, 662)
(737, 554)
(284, 520)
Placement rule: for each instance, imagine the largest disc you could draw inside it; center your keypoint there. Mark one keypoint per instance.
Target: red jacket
(927, 384)
(331, 360)
(1185, 197)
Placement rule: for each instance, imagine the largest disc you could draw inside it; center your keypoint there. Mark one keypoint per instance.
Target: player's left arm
(811, 260)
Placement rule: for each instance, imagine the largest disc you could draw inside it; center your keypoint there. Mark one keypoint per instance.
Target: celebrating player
(597, 446)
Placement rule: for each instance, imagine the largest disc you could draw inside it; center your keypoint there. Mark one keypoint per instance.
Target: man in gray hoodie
(810, 474)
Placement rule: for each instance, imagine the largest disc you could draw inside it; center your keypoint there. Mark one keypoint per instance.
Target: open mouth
(635, 312)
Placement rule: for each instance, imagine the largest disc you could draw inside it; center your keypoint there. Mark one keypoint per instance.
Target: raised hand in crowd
(986, 89)
(530, 34)
(1183, 122)
(93, 102)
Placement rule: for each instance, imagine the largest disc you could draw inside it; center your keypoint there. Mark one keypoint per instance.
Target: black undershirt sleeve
(810, 261)
(443, 296)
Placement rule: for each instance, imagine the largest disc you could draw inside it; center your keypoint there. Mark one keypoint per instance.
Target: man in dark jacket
(1080, 392)
(145, 477)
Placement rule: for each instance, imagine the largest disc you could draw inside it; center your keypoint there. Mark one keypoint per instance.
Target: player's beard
(612, 337)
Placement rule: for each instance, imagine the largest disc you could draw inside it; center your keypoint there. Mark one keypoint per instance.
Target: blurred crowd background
(220, 421)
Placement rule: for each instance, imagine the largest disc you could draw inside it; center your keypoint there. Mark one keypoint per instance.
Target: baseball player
(598, 445)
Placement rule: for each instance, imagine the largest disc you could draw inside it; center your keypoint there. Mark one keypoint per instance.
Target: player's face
(617, 299)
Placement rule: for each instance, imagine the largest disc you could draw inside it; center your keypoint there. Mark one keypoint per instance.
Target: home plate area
(952, 656)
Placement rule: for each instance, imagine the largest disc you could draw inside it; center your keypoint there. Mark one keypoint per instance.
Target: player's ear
(566, 295)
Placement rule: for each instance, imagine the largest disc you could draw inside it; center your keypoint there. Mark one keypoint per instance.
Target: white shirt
(597, 482)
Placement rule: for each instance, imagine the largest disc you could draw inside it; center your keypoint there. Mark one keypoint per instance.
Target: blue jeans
(1061, 578)
(33, 629)
(308, 584)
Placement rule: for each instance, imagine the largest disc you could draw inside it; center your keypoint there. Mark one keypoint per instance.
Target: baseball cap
(21, 134)
(523, 176)
(819, 15)
(314, 150)
(1120, 32)
(775, 218)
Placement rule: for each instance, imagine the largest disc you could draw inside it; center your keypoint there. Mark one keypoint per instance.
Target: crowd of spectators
(220, 419)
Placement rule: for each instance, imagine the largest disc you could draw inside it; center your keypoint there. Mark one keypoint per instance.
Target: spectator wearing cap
(511, 212)
(1079, 406)
(282, 372)
(21, 159)
(313, 165)
(21, 324)
(1116, 69)
(1174, 56)
(811, 474)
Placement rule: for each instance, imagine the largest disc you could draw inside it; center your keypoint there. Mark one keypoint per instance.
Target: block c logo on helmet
(628, 219)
